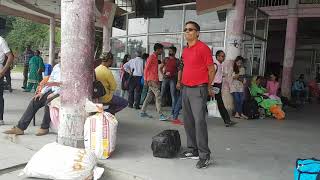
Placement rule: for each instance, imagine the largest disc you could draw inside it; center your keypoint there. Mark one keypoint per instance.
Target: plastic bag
(100, 131)
(212, 107)
(55, 161)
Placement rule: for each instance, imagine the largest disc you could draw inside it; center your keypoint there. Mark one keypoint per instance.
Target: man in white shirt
(217, 84)
(4, 53)
(47, 94)
(135, 68)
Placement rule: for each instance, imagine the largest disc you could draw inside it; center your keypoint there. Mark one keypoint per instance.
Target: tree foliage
(25, 32)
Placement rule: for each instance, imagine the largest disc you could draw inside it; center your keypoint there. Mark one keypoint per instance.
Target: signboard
(205, 6)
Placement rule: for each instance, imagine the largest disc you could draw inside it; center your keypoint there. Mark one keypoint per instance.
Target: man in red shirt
(170, 70)
(151, 77)
(197, 73)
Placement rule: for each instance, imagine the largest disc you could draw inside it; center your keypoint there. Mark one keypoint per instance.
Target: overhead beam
(33, 8)
(4, 10)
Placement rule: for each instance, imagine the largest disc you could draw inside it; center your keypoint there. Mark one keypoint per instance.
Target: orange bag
(277, 112)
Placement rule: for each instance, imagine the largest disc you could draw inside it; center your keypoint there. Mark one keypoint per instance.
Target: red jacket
(151, 68)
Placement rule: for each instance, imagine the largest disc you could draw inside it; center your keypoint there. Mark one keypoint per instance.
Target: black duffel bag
(166, 144)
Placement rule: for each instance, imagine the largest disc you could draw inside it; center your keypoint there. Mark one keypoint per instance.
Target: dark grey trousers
(194, 109)
(32, 109)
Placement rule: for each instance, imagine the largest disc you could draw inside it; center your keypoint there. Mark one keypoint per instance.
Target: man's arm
(127, 67)
(162, 67)
(178, 86)
(212, 73)
(180, 71)
(7, 65)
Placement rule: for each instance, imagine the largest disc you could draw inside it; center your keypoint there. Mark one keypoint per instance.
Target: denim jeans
(177, 108)
(172, 84)
(238, 101)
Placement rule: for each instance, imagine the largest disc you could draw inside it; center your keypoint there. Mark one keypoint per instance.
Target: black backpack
(166, 144)
(98, 88)
(251, 109)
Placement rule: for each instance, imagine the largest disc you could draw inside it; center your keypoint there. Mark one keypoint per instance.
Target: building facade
(277, 36)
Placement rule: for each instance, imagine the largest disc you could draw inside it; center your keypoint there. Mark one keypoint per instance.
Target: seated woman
(273, 87)
(258, 92)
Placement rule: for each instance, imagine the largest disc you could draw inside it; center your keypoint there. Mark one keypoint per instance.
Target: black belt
(196, 86)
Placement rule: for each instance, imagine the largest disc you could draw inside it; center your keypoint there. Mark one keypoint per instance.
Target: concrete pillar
(77, 56)
(52, 42)
(107, 16)
(233, 43)
(290, 48)
(106, 38)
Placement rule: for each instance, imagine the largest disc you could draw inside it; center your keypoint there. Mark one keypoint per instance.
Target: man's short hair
(157, 46)
(174, 49)
(196, 25)
(138, 53)
(105, 56)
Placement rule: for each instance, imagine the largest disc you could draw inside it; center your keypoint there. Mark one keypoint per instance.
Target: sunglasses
(189, 29)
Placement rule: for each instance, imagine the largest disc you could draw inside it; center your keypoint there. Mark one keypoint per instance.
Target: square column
(290, 49)
(77, 58)
(52, 42)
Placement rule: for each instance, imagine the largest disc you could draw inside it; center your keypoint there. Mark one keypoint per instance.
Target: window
(137, 44)
(261, 27)
(250, 16)
(171, 21)
(118, 50)
(214, 39)
(166, 41)
(137, 25)
(207, 21)
(118, 32)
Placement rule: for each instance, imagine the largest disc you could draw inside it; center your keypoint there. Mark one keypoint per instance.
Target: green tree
(25, 32)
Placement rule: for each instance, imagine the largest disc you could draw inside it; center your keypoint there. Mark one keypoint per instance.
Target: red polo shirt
(151, 68)
(196, 60)
(171, 66)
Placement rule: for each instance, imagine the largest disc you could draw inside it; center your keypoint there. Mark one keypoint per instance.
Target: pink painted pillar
(290, 49)
(234, 33)
(77, 55)
(107, 16)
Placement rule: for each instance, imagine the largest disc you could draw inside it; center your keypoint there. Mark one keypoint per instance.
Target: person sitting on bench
(299, 91)
(259, 94)
(41, 99)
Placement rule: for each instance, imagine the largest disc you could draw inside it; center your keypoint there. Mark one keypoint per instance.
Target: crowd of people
(189, 81)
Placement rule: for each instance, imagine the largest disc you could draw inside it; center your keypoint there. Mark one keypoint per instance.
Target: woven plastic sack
(55, 161)
(100, 132)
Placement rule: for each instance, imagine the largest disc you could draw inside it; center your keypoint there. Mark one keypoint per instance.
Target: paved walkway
(256, 149)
